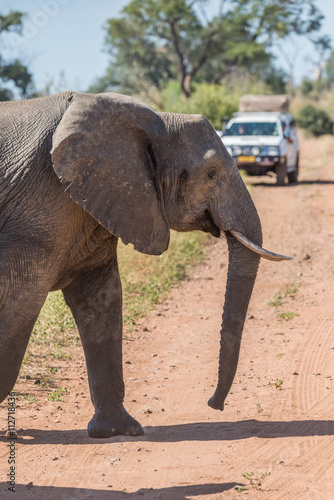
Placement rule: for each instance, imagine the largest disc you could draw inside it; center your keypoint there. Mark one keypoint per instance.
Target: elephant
(78, 171)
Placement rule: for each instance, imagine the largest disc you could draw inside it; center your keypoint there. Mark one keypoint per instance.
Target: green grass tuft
(287, 316)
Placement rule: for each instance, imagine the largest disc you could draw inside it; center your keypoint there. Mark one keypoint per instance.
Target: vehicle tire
(293, 176)
(280, 174)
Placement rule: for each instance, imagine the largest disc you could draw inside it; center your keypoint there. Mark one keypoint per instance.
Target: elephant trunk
(242, 227)
(243, 266)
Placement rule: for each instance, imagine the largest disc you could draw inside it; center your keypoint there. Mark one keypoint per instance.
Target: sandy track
(190, 451)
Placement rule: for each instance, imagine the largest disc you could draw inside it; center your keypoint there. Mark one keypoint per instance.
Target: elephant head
(141, 173)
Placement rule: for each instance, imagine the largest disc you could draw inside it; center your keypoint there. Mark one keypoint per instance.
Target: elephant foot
(119, 423)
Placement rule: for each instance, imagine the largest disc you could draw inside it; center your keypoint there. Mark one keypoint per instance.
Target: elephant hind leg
(19, 310)
(15, 332)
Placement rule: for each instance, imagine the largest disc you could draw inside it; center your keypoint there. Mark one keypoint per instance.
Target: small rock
(306, 257)
(30, 485)
(294, 373)
(55, 458)
(128, 362)
(250, 316)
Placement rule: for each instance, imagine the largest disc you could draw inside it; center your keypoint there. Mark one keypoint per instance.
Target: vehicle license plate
(246, 159)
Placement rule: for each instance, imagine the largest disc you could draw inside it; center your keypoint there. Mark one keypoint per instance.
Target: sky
(63, 41)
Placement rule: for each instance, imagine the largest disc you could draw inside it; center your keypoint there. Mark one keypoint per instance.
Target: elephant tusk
(256, 248)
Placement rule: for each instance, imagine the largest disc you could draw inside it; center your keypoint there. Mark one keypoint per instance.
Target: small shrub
(56, 394)
(291, 291)
(278, 384)
(255, 479)
(277, 300)
(287, 316)
(29, 397)
(315, 120)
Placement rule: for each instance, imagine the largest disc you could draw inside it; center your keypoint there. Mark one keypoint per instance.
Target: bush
(306, 87)
(213, 101)
(315, 120)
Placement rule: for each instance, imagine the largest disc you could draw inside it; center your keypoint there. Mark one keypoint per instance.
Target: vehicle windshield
(255, 128)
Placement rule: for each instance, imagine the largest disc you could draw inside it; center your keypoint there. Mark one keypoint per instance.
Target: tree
(14, 75)
(155, 41)
(328, 73)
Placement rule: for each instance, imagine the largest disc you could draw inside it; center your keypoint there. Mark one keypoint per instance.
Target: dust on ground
(274, 440)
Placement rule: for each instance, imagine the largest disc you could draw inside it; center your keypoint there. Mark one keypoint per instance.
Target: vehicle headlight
(229, 150)
(272, 151)
(255, 150)
(237, 151)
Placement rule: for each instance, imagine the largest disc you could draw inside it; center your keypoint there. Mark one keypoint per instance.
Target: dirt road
(278, 421)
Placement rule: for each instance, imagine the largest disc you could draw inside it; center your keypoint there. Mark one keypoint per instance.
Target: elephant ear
(101, 154)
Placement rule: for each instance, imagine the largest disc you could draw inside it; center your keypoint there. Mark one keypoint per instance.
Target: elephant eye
(212, 174)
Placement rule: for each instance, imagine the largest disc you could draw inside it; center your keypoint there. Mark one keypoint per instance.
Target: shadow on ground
(172, 493)
(273, 184)
(201, 431)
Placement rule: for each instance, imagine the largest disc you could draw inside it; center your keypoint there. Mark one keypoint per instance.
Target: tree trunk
(186, 84)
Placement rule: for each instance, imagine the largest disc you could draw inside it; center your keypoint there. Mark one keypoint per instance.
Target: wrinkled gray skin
(77, 172)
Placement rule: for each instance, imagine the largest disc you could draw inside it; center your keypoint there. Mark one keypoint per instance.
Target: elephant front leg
(95, 299)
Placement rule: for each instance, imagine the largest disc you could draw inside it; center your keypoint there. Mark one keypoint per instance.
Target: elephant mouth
(208, 226)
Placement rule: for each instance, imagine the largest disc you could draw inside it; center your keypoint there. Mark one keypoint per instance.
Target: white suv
(263, 142)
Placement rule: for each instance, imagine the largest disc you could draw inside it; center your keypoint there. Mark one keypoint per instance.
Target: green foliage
(277, 300)
(54, 323)
(315, 120)
(11, 22)
(155, 41)
(57, 394)
(46, 379)
(255, 479)
(278, 384)
(213, 101)
(29, 397)
(290, 291)
(306, 87)
(287, 316)
(328, 74)
(13, 74)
